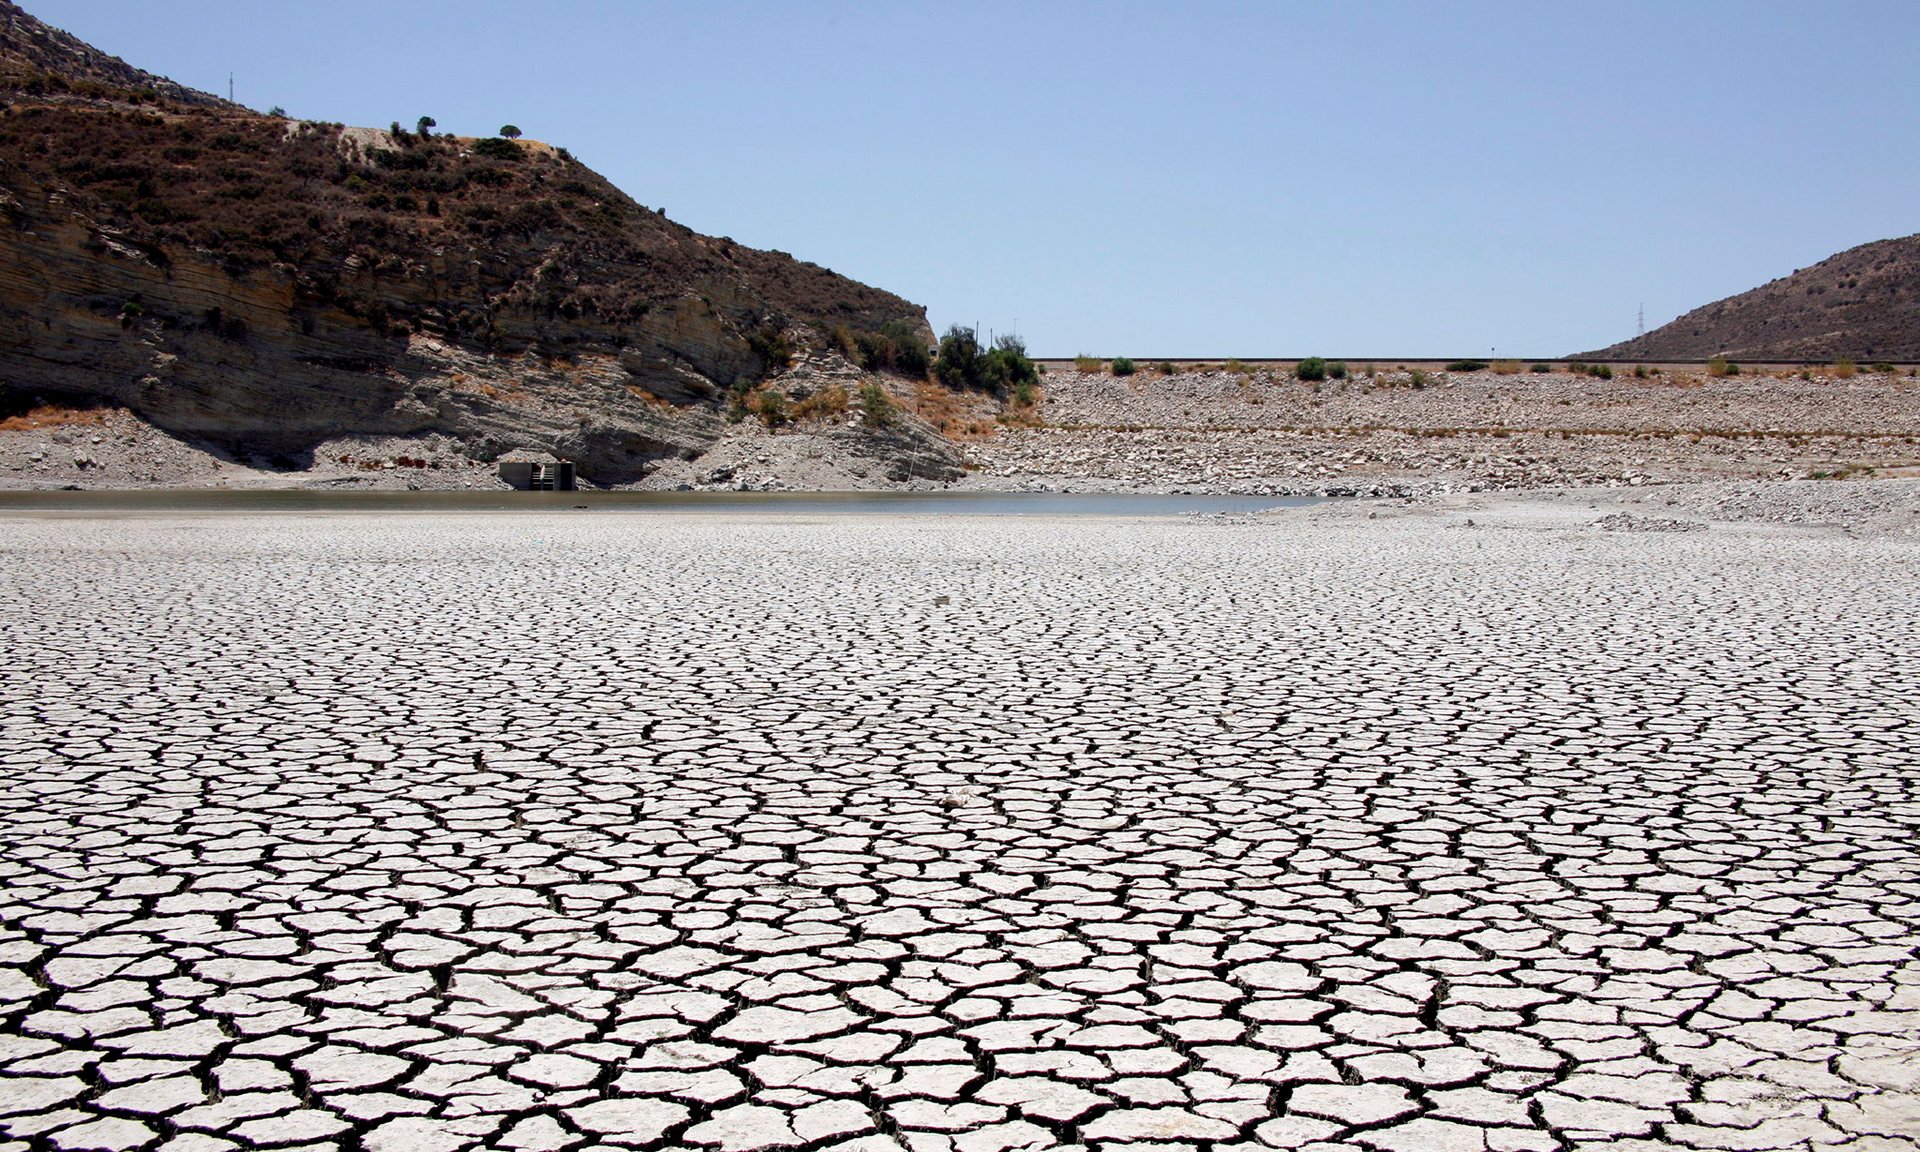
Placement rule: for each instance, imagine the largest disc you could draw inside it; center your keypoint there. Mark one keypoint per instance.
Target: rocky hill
(267, 283)
(1863, 303)
(43, 59)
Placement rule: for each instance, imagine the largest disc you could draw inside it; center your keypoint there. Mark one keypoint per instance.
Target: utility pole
(229, 87)
(1640, 326)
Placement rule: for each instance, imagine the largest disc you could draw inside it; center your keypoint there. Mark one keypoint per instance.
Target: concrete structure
(539, 475)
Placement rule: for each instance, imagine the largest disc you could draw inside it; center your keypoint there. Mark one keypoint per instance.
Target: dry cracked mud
(416, 833)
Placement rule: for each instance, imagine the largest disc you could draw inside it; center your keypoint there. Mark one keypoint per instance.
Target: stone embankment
(1395, 431)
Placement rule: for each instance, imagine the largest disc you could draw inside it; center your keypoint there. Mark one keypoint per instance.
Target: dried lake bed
(1454, 828)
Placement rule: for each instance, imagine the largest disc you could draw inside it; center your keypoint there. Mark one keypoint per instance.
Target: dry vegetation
(954, 414)
(43, 416)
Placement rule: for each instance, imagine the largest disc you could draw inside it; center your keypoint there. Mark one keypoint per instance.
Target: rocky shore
(1392, 434)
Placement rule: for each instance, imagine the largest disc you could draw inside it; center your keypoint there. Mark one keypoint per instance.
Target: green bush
(1337, 370)
(1122, 366)
(896, 348)
(958, 363)
(963, 364)
(771, 407)
(1884, 367)
(1007, 369)
(1466, 366)
(1312, 368)
(495, 148)
(1541, 368)
(839, 338)
(876, 406)
(1165, 368)
(1601, 372)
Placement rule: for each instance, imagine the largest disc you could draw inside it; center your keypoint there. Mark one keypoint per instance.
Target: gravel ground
(1391, 825)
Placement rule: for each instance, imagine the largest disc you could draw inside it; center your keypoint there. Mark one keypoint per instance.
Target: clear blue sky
(1387, 179)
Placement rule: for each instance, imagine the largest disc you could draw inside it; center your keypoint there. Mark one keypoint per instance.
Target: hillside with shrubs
(263, 281)
(1862, 304)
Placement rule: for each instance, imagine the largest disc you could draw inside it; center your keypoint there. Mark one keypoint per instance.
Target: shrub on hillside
(1313, 368)
(1721, 366)
(839, 338)
(496, 148)
(1008, 369)
(1884, 367)
(963, 364)
(877, 409)
(957, 364)
(1337, 370)
(1089, 365)
(1466, 365)
(771, 407)
(895, 348)
(1541, 368)
(1123, 366)
(1165, 368)
(773, 348)
(826, 403)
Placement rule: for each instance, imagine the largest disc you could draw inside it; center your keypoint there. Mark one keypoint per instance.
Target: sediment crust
(1558, 821)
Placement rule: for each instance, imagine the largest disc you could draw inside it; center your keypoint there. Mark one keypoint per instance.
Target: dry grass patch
(826, 403)
(53, 416)
(949, 414)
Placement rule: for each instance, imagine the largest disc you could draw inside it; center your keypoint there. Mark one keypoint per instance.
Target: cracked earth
(410, 833)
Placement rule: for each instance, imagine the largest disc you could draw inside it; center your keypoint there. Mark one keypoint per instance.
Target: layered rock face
(267, 284)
